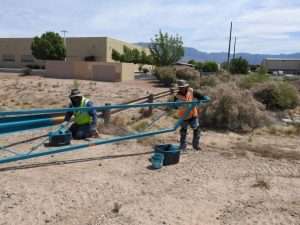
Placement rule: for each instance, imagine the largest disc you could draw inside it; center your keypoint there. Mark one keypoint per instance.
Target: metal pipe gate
(23, 120)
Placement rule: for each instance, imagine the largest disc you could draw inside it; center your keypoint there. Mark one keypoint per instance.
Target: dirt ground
(236, 179)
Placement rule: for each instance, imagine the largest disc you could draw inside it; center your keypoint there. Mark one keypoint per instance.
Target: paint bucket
(171, 153)
(60, 138)
(157, 160)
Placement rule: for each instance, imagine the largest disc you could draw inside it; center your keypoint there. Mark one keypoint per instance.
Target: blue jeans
(81, 131)
(194, 124)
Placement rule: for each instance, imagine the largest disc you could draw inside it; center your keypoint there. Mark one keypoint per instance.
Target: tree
(210, 66)
(239, 66)
(166, 49)
(146, 59)
(132, 56)
(127, 55)
(116, 55)
(136, 56)
(50, 46)
(198, 66)
(193, 62)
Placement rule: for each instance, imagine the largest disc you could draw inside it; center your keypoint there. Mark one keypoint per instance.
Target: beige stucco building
(290, 66)
(16, 52)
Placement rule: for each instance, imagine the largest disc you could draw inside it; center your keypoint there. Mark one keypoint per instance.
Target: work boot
(196, 139)
(197, 148)
(183, 135)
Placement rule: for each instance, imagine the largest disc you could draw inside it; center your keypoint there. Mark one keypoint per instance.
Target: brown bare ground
(113, 185)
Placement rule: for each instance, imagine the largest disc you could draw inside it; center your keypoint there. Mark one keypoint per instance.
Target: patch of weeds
(76, 84)
(140, 126)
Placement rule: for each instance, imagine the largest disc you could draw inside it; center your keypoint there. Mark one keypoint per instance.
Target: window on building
(27, 58)
(8, 58)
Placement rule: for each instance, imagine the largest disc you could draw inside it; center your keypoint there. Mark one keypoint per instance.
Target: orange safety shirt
(187, 98)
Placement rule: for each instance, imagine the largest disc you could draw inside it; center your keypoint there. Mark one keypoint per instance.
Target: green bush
(262, 70)
(210, 66)
(239, 66)
(187, 74)
(198, 66)
(277, 95)
(166, 75)
(249, 81)
(192, 62)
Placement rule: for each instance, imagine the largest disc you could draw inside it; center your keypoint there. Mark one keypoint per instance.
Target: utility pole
(234, 47)
(229, 47)
(65, 41)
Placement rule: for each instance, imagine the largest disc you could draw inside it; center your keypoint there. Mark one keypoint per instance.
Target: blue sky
(261, 26)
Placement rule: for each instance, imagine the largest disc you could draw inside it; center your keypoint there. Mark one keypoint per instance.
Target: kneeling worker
(85, 122)
(187, 94)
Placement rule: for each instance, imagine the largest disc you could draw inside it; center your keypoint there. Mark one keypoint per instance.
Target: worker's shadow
(71, 161)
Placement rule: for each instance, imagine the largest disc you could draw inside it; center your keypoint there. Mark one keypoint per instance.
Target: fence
(147, 99)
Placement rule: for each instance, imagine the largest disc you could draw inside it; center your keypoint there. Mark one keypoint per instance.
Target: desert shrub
(233, 109)
(76, 84)
(239, 66)
(210, 66)
(250, 80)
(166, 75)
(262, 70)
(209, 81)
(140, 126)
(277, 95)
(187, 74)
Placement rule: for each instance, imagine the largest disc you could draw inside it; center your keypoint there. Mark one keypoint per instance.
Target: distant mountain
(192, 53)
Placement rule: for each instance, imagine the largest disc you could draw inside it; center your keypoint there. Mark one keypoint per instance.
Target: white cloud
(261, 26)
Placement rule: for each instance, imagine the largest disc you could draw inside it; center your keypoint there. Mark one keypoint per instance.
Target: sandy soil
(236, 179)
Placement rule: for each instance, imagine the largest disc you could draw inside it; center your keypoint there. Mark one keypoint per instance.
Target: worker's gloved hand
(206, 98)
(170, 107)
(64, 124)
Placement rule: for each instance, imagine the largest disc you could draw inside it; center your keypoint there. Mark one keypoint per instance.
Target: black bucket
(171, 153)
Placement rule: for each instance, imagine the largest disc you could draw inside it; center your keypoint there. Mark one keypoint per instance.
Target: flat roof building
(288, 66)
(16, 52)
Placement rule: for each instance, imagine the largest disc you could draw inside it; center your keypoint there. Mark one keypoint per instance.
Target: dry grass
(151, 141)
(140, 126)
(291, 130)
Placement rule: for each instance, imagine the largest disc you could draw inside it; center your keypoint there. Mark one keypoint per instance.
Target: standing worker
(186, 94)
(85, 122)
